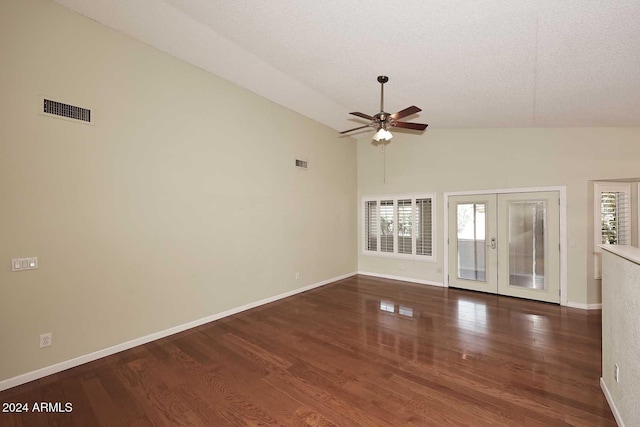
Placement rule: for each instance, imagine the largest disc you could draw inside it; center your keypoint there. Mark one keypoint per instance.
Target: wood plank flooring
(361, 351)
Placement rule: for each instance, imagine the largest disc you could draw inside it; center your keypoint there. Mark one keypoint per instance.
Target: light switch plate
(23, 264)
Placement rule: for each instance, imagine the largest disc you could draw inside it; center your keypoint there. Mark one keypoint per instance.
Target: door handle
(493, 243)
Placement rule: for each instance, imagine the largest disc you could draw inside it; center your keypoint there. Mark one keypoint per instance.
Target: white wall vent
(301, 164)
(57, 109)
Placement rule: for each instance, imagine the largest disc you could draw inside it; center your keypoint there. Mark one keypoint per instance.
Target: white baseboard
(584, 306)
(402, 279)
(440, 284)
(58, 367)
(612, 405)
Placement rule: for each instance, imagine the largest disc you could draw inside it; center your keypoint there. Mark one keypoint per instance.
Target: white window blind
(615, 218)
(371, 225)
(405, 222)
(386, 225)
(424, 226)
(399, 226)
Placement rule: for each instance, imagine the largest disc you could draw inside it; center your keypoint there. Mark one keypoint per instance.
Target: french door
(506, 244)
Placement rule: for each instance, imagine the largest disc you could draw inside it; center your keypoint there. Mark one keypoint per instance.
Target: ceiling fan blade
(351, 130)
(407, 125)
(406, 112)
(364, 116)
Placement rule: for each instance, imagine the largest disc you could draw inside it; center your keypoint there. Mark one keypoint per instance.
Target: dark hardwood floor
(362, 351)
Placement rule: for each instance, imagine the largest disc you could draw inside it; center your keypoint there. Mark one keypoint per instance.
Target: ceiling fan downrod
(382, 80)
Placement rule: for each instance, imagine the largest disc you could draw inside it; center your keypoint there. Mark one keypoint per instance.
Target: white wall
(621, 334)
(444, 160)
(181, 202)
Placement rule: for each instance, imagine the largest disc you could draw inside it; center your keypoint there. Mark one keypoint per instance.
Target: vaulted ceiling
(466, 63)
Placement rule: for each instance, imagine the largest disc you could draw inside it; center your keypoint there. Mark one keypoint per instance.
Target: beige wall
(181, 202)
(443, 160)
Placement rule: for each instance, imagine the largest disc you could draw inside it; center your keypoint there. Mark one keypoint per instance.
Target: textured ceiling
(466, 63)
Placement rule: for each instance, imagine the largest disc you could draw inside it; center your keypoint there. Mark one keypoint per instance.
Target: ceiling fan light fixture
(382, 135)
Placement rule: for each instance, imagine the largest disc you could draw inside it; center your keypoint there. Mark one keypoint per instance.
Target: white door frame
(562, 190)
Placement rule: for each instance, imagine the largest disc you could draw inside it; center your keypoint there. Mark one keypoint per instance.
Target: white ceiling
(466, 63)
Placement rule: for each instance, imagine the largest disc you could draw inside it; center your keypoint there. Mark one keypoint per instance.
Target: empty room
(420, 213)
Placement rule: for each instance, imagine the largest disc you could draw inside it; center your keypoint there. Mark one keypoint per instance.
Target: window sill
(421, 258)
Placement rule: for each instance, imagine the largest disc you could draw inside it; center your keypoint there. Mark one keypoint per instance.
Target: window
(399, 226)
(612, 218)
(424, 227)
(386, 226)
(405, 220)
(371, 226)
(612, 214)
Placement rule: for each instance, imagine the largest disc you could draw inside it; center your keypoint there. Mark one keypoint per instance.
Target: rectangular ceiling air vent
(49, 107)
(301, 164)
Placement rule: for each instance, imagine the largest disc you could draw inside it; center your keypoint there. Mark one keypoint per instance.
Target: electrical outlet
(45, 340)
(297, 275)
(616, 373)
(439, 269)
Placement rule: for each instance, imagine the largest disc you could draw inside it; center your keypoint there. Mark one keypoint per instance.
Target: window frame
(600, 187)
(396, 198)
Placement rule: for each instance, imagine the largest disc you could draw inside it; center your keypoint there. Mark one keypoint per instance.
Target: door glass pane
(526, 244)
(471, 241)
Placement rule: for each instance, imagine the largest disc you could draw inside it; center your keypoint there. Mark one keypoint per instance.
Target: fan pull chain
(384, 164)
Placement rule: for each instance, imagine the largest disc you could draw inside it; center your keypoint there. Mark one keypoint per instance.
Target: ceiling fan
(382, 121)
